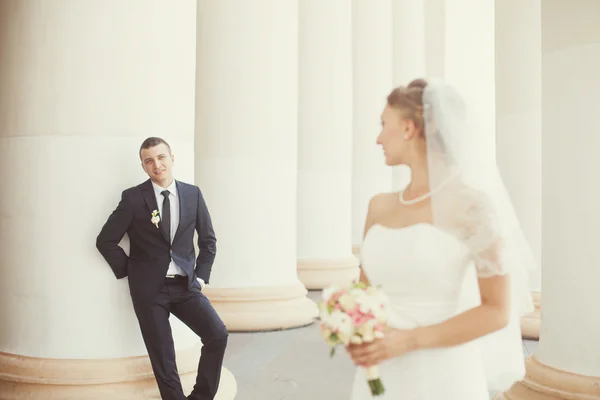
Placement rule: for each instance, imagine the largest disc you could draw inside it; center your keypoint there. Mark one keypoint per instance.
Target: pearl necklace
(424, 196)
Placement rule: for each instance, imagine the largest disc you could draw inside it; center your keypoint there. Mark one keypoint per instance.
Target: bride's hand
(394, 343)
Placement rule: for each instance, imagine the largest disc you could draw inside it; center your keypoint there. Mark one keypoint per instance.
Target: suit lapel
(183, 212)
(150, 199)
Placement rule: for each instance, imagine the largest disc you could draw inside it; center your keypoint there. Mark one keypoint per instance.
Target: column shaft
(325, 144)
(77, 100)
(372, 81)
(519, 125)
(565, 364)
(469, 62)
(569, 335)
(246, 159)
(409, 60)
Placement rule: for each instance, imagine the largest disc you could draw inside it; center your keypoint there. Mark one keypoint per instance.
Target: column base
(546, 383)
(30, 378)
(265, 308)
(318, 274)
(530, 323)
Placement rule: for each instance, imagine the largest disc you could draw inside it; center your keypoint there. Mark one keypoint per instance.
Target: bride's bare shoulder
(382, 201)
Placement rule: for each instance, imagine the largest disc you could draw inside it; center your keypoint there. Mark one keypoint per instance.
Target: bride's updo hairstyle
(408, 100)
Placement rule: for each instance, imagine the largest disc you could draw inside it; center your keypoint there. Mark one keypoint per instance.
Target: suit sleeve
(207, 242)
(111, 234)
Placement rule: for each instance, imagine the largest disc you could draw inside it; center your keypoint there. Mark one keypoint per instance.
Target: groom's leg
(194, 309)
(153, 317)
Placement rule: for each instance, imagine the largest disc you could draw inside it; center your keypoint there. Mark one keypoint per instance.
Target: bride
(449, 252)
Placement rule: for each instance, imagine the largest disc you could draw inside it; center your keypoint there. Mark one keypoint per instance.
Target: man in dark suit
(160, 217)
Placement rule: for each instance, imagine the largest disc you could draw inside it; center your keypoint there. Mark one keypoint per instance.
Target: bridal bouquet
(355, 314)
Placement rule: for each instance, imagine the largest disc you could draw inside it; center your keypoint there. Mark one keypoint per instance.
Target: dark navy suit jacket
(150, 252)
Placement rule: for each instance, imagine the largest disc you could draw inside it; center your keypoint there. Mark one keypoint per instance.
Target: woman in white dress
(450, 255)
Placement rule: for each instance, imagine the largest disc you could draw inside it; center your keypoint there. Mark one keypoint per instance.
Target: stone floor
(293, 365)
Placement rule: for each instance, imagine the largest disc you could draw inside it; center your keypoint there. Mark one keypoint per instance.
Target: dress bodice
(430, 275)
(421, 268)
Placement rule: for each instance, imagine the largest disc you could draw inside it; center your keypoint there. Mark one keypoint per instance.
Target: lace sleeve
(481, 234)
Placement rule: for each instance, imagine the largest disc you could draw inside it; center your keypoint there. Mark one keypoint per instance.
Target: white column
(325, 144)
(565, 364)
(469, 61)
(519, 125)
(435, 37)
(246, 159)
(409, 59)
(77, 100)
(372, 82)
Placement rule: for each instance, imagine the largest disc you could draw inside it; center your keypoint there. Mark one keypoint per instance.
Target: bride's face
(395, 136)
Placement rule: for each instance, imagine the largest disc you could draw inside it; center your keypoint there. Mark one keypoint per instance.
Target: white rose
(339, 322)
(367, 331)
(344, 337)
(347, 302)
(328, 292)
(367, 304)
(371, 290)
(368, 326)
(326, 332)
(368, 338)
(355, 339)
(357, 292)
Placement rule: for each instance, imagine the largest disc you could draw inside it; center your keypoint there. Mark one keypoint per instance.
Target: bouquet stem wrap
(374, 381)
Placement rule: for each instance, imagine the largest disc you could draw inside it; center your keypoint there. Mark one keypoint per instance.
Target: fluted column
(325, 144)
(372, 82)
(565, 364)
(519, 120)
(246, 159)
(77, 100)
(409, 59)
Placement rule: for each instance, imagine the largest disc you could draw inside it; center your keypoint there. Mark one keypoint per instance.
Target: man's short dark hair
(153, 141)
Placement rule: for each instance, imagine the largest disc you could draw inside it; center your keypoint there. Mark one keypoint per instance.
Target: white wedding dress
(423, 270)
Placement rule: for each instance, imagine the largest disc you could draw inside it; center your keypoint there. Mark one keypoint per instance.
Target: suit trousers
(194, 310)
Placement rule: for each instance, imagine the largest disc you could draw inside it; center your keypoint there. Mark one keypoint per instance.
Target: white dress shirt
(174, 269)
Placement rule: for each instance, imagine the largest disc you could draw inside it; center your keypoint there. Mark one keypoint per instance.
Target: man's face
(158, 161)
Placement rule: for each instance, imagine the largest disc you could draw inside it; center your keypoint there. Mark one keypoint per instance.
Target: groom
(160, 217)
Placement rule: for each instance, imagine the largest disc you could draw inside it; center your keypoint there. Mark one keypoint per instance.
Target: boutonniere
(155, 218)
